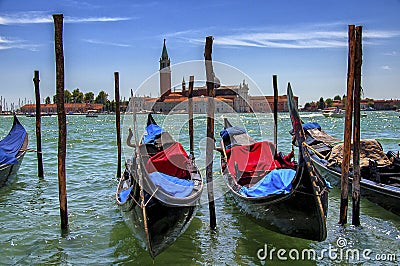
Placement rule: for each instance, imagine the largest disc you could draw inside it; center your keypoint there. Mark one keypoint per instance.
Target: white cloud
(300, 39)
(106, 43)
(94, 19)
(7, 43)
(38, 17)
(4, 40)
(386, 67)
(393, 53)
(332, 35)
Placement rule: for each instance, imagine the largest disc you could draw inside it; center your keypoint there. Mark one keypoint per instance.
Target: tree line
(76, 96)
(321, 104)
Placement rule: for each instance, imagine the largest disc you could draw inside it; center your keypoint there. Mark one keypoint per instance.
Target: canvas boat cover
(319, 139)
(152, 132)
(177, 187)
(311, 125)
(321, 136)
(235, 136)
(11, 144)
(172, 161)
(253, 158)
(370, 149)
(278, 181)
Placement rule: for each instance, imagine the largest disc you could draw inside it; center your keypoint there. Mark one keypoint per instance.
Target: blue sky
(304, 42)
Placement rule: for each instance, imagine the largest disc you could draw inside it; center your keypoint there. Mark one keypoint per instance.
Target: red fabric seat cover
(172, 161)
(257, 157)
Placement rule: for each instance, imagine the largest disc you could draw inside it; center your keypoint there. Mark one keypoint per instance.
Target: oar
(315, 151)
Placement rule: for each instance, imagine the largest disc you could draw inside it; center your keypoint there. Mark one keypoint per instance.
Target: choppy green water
(29, 209)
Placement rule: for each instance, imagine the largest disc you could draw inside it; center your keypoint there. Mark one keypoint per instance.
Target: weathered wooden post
(62, 123)
(347, 130)
(356, 133)
(118, 121)
(38, 125)
(190, 111)
(210, 130)
(275, 85)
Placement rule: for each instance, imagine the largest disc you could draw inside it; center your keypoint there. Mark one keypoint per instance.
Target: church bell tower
(165, 72)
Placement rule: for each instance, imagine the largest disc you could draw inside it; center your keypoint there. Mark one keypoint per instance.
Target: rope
(152, 195)
(137, 203)
(29, 150)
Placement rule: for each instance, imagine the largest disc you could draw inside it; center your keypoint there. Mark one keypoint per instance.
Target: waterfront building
(386, 104)
(69, 108)
(229, 98)
(263, 104)
(165, 72)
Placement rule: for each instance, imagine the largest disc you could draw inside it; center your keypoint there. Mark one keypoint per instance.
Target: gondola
(160, 189)
(380, 172)
(12, 150)
(283, 196)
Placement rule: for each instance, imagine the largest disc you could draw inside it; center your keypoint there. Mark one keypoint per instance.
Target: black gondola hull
(165, 224)
(9, 172)
(287, 217)
(298, 214)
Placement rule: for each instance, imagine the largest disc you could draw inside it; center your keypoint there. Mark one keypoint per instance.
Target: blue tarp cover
(311, 125)
(11, 144)
(152, 131)
(124, 194)
(278, 181)
(231, 131)
(174, 186)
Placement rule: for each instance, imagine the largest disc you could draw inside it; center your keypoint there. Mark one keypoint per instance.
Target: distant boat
(42, 114)
(338, 113)
(144, 112)
(92, 113)
(12, 151)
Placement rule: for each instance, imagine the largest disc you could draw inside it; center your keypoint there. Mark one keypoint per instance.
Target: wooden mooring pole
(347, 130)
(62, 123)
(38, 125)
(210, 130)
(275, 85)
(118, 121)
(190, 111)
(356, 133)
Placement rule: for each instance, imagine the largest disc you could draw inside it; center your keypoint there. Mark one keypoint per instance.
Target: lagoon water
(29, 209)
